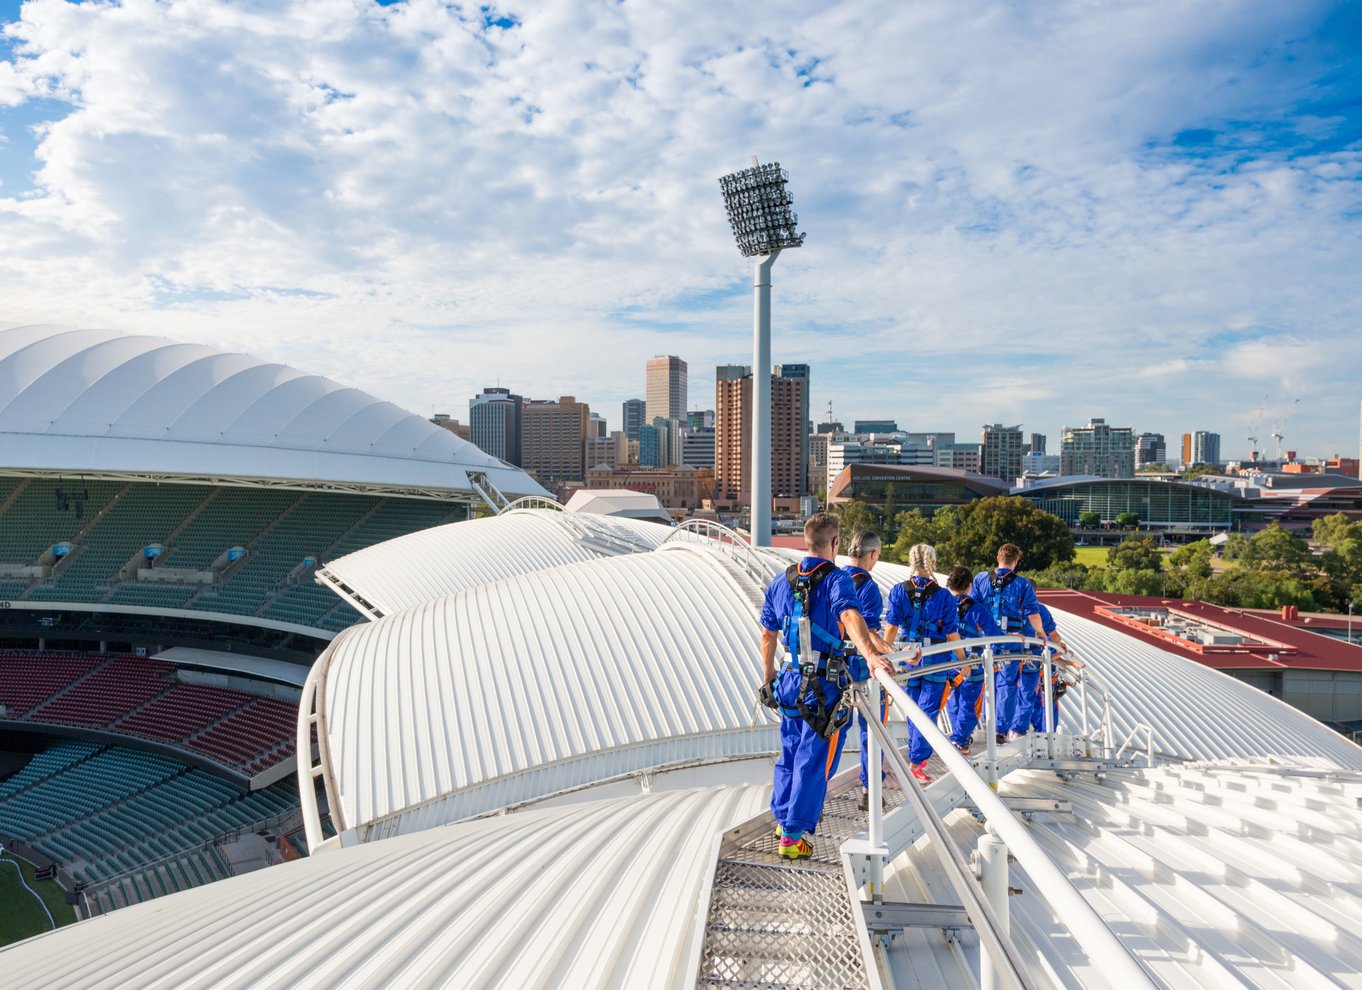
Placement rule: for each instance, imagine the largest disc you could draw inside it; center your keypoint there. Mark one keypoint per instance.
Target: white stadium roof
(99, 402)
(1239, 862)
(420, 567)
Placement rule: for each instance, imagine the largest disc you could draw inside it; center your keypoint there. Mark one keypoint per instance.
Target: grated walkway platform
(774, 923)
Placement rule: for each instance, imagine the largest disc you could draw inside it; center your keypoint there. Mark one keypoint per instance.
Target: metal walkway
(773, 923)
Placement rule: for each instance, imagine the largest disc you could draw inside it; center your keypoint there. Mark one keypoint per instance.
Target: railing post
(1047, 700)
(1087, 733)
(875, 794)
(990, 720)
(993, 876)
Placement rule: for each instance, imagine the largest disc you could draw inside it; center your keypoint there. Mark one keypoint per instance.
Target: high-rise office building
(666, 388)
(553, 438)
(633, 416)
(596, 428)
(800, 372)
(1037, 443)
(1097, 449)
(1001, 457)
(1150, 448)
(698, 419)
(875, 426)
(1205, 448)
(728, 372)
(733, 439)
(649, 446)
(494, 423)
(697, 447)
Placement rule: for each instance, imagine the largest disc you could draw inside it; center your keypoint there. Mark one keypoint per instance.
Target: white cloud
(407, 200)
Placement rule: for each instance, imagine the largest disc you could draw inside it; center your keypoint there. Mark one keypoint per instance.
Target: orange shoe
(920, 773)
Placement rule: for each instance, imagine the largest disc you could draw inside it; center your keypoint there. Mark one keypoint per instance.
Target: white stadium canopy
(101, 403)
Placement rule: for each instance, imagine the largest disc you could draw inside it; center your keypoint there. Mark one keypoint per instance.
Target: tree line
(1270, 569)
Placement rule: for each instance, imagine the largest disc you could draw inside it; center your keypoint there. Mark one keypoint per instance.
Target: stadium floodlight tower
(763, 225)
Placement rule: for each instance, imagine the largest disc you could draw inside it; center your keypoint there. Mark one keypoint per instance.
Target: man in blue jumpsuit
(925, 612)
(865, 554)
(1011, 600)
(808, 699)
(1047, 622)
(975, 621)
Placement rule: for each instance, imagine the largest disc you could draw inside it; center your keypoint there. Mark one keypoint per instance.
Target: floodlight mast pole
(759, 528)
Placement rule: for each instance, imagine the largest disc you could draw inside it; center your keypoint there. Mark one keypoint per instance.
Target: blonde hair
(922, 559)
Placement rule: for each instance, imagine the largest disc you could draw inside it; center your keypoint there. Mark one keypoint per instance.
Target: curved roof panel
(420, 567)
(604, 894)
(98, 401)
(556, 679)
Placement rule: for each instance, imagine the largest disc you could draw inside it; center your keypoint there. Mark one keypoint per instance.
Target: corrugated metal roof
(420, 567)
(1215, 876)
(561, 678)
(605, 894)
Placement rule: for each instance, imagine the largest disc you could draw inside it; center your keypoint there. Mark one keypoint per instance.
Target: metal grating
(773, 923)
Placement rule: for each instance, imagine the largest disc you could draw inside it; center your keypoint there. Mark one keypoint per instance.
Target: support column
(760, 488)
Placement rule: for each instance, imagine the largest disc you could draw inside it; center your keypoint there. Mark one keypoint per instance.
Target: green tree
(1089, 520)
(1236, 546)
(913, 527)
(1197, 470)
(854, 516)
(1127, 520)
(1193, 559)
(888, 512)
(1274, 549)
(1331, 530)
(1134, 582)
(1067, 575)
(988, 523)
(1135, 554)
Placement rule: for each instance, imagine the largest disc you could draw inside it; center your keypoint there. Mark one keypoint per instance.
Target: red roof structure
(1217, 636)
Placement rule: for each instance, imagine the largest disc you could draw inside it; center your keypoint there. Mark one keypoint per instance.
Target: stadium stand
(133, 824)
(109, 523)
(140, 697)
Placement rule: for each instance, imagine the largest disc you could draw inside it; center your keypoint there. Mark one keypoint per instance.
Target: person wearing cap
(814, 607)
(865, 552)
(925, 612)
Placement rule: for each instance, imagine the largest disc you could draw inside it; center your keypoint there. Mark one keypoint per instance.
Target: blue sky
(1025, 213)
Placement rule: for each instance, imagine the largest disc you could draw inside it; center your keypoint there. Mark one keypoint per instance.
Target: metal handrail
(993, 935)
(1118, 964)
(730, 540)
(534, 502)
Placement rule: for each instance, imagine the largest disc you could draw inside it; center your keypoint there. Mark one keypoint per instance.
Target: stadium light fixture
(759, 211)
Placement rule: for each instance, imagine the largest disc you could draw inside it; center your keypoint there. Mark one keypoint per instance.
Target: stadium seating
(138, 822)
(195, 524)
(136, 696)
(28, 678)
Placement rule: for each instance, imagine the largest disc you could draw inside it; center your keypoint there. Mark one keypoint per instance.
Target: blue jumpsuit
(1047, 622)
(871, 609)
(1011, 609)
(962, 707)
(932, 624)
(806, 758)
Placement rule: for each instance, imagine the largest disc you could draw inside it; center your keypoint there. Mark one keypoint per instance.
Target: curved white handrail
(1112, 958)
(729, 540)
(534, 502)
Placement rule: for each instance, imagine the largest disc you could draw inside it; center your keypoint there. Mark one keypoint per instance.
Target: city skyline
(1038, 218)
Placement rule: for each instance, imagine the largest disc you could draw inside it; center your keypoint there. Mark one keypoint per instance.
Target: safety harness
(976, 673)
(812, 664)
(916, 633)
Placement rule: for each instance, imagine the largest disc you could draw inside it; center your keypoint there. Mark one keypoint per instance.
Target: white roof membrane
(97, 401)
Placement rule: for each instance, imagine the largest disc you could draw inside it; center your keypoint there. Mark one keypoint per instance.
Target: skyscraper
(494, 423)
(553, 438)
(666, 388)
(1097, 449)
(1037, 443)
(1150, 448)
(633, 413)
(801, 373)
(1002, 452)
(1205, 448)
(733, 439)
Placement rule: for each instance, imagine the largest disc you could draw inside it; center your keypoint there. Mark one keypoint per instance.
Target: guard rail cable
(730, 541)
(1114, 960)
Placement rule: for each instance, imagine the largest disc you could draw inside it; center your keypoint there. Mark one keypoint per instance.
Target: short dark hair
(959, 579)
(1009, 554)
(820, 529)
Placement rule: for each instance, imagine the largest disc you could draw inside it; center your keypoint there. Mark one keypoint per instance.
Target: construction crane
(1277, 427)
(1253, 430)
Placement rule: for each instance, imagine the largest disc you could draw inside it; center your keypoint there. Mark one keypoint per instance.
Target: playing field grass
(21, 915)
(1091, 556)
